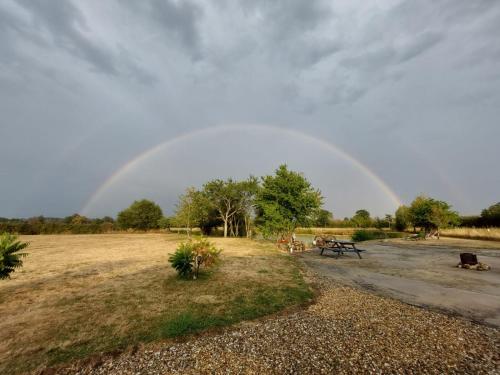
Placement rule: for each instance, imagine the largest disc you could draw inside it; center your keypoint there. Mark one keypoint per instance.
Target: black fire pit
(468, 258)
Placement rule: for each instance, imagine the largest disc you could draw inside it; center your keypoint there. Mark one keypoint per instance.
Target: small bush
(368, 235)
(10, 259)
(182, 260)
(363, 235)
(192, 255)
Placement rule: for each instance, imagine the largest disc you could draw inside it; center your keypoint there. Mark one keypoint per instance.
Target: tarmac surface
(421, 273)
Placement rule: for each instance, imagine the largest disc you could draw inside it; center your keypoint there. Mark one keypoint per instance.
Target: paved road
(421, 274)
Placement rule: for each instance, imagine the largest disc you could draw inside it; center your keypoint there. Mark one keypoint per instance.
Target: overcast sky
(399, 97)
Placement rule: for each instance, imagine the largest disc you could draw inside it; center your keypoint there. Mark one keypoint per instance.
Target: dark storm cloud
(87, 85)
(61, 24)
(177, 20)
(66, 25)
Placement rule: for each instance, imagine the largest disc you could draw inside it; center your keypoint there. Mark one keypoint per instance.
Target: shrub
(10, 259)
(367, 235)
(363, 235)
(192, 255)
(182, 260)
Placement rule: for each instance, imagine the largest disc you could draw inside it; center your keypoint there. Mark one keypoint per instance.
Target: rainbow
(141, 158)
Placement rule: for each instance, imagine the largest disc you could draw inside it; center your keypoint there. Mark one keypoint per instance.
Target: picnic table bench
(340, 247)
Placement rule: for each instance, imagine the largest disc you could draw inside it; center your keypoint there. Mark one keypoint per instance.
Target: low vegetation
(117, 290)
(368, 235)
(190, 256)
(10, 256)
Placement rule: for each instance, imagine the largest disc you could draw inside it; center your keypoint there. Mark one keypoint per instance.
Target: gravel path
(346, 331)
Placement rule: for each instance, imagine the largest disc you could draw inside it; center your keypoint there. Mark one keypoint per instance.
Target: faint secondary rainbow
(127, 167)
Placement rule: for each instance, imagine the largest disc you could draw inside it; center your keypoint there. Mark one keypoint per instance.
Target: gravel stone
(346, 331)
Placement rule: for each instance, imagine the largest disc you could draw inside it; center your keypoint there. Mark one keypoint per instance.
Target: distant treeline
(75, 224)
(145, 215)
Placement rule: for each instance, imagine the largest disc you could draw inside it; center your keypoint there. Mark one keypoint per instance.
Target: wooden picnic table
(340, 247)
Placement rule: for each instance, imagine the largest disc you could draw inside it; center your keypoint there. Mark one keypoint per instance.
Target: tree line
(75, 224)
(272, 205)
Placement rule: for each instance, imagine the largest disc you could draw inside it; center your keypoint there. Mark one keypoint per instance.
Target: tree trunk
(247, 229)
(225, 228)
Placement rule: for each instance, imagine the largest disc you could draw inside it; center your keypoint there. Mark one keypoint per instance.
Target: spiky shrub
(192, 255)
(182, 260)
(10, 258)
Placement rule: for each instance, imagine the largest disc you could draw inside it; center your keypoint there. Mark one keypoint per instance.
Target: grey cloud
(418, 45)
(66, 23)
(179, 19)
(303, 53)
(287, 19)
(342, 71)
(66, 26)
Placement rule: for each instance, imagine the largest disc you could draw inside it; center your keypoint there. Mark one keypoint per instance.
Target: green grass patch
(199, 317)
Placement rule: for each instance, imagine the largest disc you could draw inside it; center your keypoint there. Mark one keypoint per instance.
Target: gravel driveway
(346, 331)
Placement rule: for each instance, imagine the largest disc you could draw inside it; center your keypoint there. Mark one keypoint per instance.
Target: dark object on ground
(340, 247)
(468, 258)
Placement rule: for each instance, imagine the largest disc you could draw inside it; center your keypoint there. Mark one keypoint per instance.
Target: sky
(375, 102)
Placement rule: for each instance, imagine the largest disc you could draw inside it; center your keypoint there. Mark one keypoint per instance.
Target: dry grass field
(82, 294)
(492, 234)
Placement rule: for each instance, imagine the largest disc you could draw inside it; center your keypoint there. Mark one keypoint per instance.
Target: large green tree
(323, 218)
(402, 218)
(247, 191)
(142, 215)
(362, 219)
(224, 198)
(285, 201)
(431, 214)
(195, 210)
(491, 216)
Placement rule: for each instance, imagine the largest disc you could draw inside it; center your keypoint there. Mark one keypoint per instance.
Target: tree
(185, 212)
(491, 216)
(430, 214)
(10, 258)
(142, 215)
(362, 218)
(323, 218)
(165, 222)
(195, 210)
(389, 220)
(285, 201)
(247, 191)
(402, 218)
(379, 223)
(224, 198)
